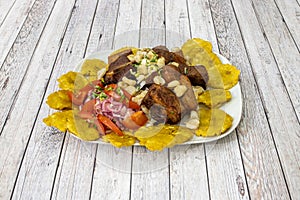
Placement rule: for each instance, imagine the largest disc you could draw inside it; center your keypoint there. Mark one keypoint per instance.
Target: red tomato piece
(110, 124)
(139, 118)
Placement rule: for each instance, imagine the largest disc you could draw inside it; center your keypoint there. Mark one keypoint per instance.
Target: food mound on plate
(156, 97)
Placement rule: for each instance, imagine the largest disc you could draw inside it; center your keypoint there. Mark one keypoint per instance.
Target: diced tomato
(81, 95)
(135, 121)
(99, 126)
(110, 124)
(97, 82)
(89, 106)
(139, 118)
(110, 89)
(129, 103)
(88, 109)
(86, 115)
(133, 105)
(130, 124)
(126, 94)
(79, 98)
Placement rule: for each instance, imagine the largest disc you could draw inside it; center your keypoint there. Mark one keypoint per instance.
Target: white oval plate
(233, 107)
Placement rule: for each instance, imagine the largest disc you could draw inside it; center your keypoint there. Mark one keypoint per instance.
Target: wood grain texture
(201, 22)
(150, 174)
(5, 7)
(11, 26)
(275, 98)
(103, 30)
(36, 174)
(286, 54)
(128, 24)
(257, 146)
(75, 171)
(18, 127)
(223, 154)
(18, 58)
(290, 11)
(188, 175)
(111, 178)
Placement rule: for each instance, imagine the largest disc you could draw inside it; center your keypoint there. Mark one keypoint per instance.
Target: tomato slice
(139, 118)
(81, 95)
(110, 89)
(79, 98)
(133, 105)
(89, 106)
(99, 126)
(130, 124)
(110, 124)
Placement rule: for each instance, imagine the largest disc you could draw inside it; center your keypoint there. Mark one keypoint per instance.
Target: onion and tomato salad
(108, 107)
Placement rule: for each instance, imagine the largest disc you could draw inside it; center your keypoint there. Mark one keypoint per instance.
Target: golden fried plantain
(59, 120)
(90, 68)
(199, 52)
(213, 122)
(71, 81)
(119, 141)
(65, 120)
(223, 76)
(214, 98)
(156, 138)
(59, 100)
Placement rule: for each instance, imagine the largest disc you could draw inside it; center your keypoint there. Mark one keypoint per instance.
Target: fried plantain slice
(156, 138)
(214, 98)
(59, 100)
(213, 122)
(59, 120)
(199, 52)
(223, 76)
(181, 134)
(82, 129)
(71, 81)
(90, 68)
(65, 120)
(119, 141)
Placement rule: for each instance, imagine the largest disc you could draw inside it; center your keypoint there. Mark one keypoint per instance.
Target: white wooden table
(42, 39)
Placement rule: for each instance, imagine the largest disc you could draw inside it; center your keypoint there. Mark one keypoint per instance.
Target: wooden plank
(279, 110)
(147, 165)
(201, 23)
(74, 175)
(103, 30)
(111, 179)
(5, 7)
(290, 11)
(17, 130)
(257, 146)
(18, 58)
(223, 154)
(12, 25)
(282, 46)
(199, 15)
(185, 181)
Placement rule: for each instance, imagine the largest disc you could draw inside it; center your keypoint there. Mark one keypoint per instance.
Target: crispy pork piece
(116, 75)
(119, 66)
(170, 73)
(188, 100)
(197, 74)
(162, 102)
(119, 60)
(163, 51)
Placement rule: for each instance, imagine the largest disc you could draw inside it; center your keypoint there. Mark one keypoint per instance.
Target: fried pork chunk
(197, 74)
(163, 104)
